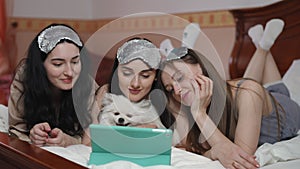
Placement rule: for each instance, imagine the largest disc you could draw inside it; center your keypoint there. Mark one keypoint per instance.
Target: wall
(103, 9)
(64, 9)
(215, 24)
(90, 15)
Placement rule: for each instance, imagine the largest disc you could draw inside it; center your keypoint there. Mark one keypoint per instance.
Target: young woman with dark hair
(134, 73)
(52, 94)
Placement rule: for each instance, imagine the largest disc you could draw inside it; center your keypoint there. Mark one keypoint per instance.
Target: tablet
(143, 146)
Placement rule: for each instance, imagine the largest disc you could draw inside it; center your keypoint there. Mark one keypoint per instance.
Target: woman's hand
(59, 138)
(39, 134)
(56, 138)
(232, 156)
(203, 88)
(229, 154)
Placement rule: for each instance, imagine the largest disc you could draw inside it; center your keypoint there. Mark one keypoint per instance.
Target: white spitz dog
(119, 110)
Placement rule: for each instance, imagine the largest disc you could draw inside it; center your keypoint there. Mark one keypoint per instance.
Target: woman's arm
(252, 101)
(17, 125)
(58, 138)
(229, 154)
(99, 96)
(41, 134)
(96, 107)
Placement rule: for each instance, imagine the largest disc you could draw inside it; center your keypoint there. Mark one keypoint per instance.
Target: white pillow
(3, 118)
(292, 80)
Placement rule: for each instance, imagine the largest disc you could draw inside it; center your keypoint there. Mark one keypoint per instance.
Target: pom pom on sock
(166, 47)
(190, 35)
(272, 30)
(256, 33)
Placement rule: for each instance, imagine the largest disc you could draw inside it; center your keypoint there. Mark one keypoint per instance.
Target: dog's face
(121, 119)
(118, 110)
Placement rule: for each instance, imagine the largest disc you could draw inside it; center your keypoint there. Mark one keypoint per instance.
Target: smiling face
(176, 78)
(135, 79)
(63, 65)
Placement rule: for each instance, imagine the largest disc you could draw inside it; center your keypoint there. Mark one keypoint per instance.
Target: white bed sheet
(284, 154)
(180, 159)
(279, 153)
(3, 118)
(292, 80)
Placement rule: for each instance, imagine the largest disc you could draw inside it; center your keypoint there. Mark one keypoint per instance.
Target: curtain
(5, 68)
(2, 20)
(4, 60)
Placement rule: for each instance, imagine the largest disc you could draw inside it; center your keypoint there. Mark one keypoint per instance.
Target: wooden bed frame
(287, 46)
(15, 153)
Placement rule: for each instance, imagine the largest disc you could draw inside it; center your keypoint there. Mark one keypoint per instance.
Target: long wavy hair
(70, 113)
(220, 109)
(158, 99)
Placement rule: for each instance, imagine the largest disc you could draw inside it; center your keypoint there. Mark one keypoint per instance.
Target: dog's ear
(107, 99)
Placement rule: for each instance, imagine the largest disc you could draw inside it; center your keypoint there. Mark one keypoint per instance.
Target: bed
(15, 154)
(285, 154)
(286, 52)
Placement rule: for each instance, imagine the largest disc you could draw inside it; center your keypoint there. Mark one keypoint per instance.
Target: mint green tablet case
(143, 146)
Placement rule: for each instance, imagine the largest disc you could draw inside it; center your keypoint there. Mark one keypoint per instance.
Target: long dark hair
(223, 109)
(158, 99)
(70, 113)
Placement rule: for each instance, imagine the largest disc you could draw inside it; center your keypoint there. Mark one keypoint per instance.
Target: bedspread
(284, 154)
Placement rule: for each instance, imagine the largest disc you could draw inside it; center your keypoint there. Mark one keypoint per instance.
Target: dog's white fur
(118, 110)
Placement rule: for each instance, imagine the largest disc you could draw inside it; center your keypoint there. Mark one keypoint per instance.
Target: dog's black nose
(121, 120)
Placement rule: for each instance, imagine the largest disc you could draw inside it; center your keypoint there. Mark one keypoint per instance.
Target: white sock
(166, 47)
(256, 33)
(190, 35)
(272, 30)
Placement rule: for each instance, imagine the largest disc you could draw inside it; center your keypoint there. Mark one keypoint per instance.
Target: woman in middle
(133, 76)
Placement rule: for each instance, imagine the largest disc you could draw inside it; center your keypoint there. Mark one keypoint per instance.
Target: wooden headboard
(287, 46)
